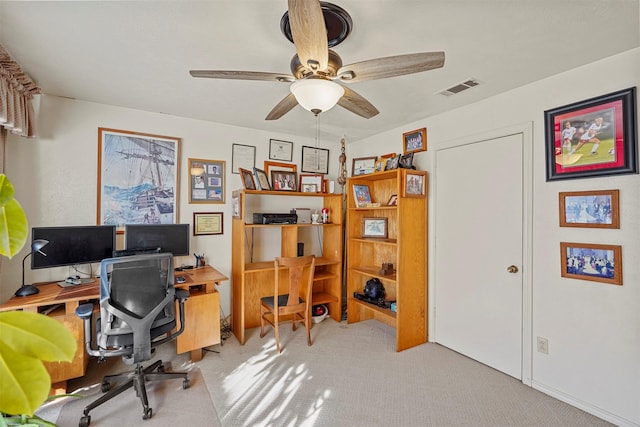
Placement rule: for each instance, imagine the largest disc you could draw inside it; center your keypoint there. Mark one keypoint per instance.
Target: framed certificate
(280, 150)
(205, 223)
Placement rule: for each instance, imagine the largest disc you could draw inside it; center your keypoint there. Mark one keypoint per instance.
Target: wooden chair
(295, 305)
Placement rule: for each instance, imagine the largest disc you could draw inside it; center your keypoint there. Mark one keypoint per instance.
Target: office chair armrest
(84, 311)
(182, 295)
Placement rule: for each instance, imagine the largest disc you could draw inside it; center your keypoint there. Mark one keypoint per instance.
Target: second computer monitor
(172, 238)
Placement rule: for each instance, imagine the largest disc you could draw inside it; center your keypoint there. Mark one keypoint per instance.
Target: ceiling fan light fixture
(317, 94)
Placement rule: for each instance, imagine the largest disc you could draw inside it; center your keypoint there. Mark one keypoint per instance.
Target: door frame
(526, 130)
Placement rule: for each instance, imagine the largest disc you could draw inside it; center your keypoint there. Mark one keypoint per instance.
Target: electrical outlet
(543, 345)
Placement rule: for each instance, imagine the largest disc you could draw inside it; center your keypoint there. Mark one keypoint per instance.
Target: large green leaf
(24, 382)
(13, 221)
(25, 340)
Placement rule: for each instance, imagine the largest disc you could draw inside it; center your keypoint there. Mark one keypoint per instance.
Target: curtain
(16, 93)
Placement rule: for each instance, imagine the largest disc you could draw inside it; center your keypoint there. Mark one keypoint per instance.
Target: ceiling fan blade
(391, 66)
(283, 107)
(242, 75)
(357, 104)
(309, 33)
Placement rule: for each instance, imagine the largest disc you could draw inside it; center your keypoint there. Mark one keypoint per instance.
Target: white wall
(593, 328)
(55, 175)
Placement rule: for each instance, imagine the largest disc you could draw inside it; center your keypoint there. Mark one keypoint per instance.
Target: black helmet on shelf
(374, 289)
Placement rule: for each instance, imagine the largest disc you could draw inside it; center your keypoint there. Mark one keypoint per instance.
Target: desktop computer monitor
(141, 238)
(73, 245)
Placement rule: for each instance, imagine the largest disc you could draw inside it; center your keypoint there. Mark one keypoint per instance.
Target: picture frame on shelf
(242, 156)
(414, 141)
(374, 228)
(246, 176)
(393, 200)
(361, 195)
(590, 261)
(392, 162)
(590, 209)
(140, 199)
(308, 188)
(363, 165)
(279, 166)
(262, 179)
(315, 160)
(414, 185)
(381, 165)
(313, 179)
(591, 138)
(207, 181)
(280, 150)
(284, 181)
(406, 161)
(207, 223)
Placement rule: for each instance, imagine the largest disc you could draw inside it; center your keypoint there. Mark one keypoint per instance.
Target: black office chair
(137, 313)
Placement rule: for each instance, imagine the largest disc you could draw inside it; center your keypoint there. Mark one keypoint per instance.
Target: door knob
(512, 269)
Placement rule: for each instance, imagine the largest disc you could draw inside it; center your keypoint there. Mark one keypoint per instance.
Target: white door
(478, 237)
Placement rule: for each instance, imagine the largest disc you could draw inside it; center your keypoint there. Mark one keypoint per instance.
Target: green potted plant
(26, 339)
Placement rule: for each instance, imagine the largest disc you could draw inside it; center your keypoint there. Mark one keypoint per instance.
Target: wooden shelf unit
(253, 280)
(405, 247)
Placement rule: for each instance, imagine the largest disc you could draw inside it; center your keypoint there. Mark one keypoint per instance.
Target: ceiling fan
(315, 26)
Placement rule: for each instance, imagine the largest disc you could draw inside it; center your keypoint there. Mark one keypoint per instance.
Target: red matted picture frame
(595, 137)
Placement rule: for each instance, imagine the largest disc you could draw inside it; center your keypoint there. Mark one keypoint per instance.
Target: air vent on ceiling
(460, 87)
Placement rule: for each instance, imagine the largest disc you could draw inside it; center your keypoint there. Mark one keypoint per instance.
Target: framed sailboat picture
(137, 178)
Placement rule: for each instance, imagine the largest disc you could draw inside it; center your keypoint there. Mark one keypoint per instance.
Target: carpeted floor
(351, 376)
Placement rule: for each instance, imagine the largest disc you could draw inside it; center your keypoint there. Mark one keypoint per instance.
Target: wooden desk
(202, 316)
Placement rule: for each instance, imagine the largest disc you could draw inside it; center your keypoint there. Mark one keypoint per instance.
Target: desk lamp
(25, 290)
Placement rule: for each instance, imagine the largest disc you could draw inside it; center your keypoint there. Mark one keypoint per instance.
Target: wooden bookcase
(252, 271)
(405, 246)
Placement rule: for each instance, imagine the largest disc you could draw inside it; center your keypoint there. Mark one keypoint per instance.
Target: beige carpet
(351, 376)
(172, 405)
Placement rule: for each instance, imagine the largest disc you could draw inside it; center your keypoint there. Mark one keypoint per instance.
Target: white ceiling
(138, 54)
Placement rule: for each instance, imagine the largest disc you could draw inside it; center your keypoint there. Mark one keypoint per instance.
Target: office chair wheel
(186, 383)
(148, 413)
(105, 386)
(85, 421)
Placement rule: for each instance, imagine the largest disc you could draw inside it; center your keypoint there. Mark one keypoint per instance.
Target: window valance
(16, 95)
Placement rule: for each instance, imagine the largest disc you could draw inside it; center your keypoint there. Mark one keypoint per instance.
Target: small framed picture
(406, 161)
(392, 162)
(590, 209)
(309, 188)
(284, 181)
(363, 165)
(393, 200)
(262, 178)
(206, 223)
(589, 261)
(594, 137)
(280, 150)
(311, 179)
(247, 179)
(414, 185)
(414, 141)
(361, 196)
(381, 165)
(374, 227)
